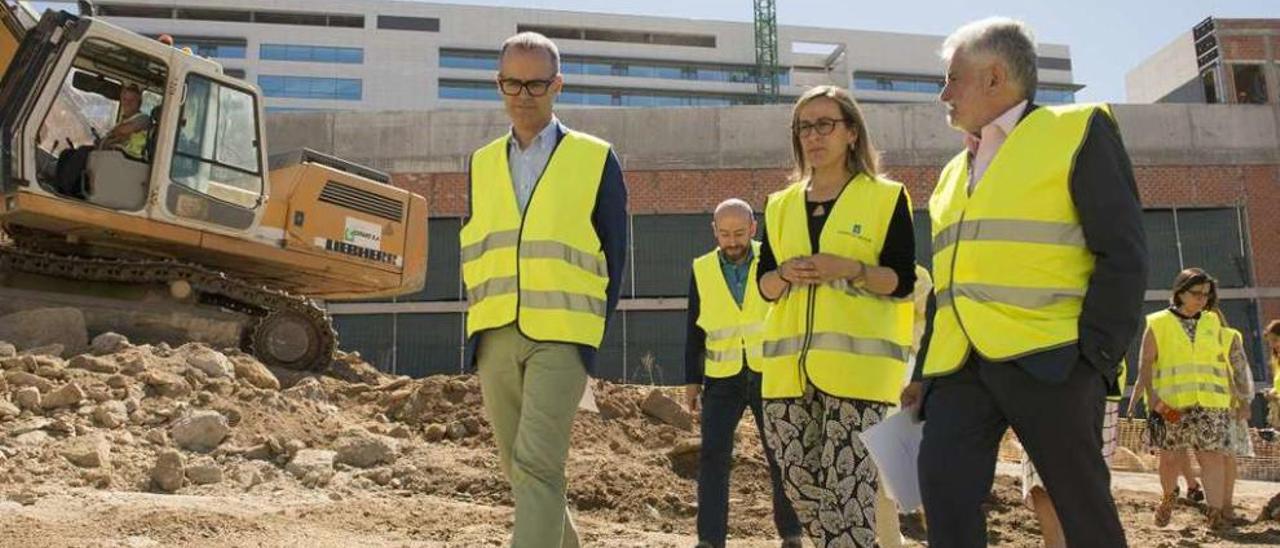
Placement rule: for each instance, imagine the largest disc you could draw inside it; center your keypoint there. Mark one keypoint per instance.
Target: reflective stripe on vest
(545, 270)
(845, 340)
(1010, 262)
(733, 331)
(1188, 373)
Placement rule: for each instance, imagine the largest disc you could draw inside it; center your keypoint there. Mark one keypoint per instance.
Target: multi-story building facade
(1217, 61)
(397, 55)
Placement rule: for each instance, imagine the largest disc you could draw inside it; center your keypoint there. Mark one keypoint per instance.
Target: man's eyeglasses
(824, 126)
(535, 88)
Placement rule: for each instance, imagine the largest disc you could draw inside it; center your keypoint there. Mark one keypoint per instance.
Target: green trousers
(531, 393)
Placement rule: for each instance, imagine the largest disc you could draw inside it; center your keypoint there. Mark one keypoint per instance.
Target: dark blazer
(1106, 197)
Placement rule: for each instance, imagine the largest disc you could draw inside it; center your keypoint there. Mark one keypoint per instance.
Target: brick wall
(1249, 48)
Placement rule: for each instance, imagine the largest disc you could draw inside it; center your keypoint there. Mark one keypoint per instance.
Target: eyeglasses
(1201, 294)
(535, 88)
(824, 126)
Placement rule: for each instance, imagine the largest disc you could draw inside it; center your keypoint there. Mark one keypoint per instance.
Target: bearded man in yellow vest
(722, 368)
(1039, 269)
(542, 257)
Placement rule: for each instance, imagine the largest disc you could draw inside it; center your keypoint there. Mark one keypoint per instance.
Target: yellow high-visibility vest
(733, 331)
(1187, 373)
(544, 270)
(136, 144)
(1010, 263)
(844, 339)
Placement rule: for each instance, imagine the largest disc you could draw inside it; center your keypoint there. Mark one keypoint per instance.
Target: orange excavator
(136, 174)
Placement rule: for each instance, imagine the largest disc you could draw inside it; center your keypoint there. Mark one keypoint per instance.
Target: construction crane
(766, 25)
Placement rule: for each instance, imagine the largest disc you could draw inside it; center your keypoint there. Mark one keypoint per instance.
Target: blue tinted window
(477, 61)
(313, 54)
(600, 69)
(482, 60)
(305, 87)
(213, 48)
(566, 67)
(468, 91)
(571, 95)
(883, 83)
(1055, 96)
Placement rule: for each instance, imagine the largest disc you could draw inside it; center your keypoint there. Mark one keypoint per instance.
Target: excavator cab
(127, 161)
(193, 148)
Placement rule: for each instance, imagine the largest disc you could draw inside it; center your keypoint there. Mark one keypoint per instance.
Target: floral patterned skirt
(1199, 429)
(827, 473)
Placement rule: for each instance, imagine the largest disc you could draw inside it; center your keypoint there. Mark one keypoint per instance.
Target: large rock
(90, 451)
(111, 414)
(94, 363)
(253, 372)
(665, 409)
(16, 377)
(109, 343)
(7, 350)
(435, 432)
(20, 363)
(350, 368)
(213, 363)
(67, 395)
(364, 449)
(204, 471)
(685, 457)
(34, 438)
(165, 383)
(200, 431)
(313, 467)
(308, 389)
(45, 326)
(56, 350)
(168, 474)
(28, 397)
(9, 410)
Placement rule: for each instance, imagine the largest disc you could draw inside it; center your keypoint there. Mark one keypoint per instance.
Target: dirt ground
(354, 457)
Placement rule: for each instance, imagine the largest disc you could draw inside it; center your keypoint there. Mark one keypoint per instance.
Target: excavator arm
(17, 17)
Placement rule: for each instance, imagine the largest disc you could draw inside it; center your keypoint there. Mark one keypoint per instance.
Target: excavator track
(284, 330)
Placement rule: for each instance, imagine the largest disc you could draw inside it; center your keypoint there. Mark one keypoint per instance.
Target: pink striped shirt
(983, 147)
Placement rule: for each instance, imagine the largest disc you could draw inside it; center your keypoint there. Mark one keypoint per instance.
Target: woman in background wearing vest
(838, 264)
(1186, 379)
(1272, 337)
(1239, 443)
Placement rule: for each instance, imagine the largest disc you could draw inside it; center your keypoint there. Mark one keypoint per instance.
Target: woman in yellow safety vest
(1239, 443)
(1186, 379)
(1272, 337)
(838, 265)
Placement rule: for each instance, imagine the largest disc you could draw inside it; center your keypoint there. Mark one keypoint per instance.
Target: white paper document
(894, 445)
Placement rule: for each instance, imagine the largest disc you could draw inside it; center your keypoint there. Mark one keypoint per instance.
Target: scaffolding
(766, 26)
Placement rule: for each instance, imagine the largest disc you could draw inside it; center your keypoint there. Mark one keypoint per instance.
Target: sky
(1107, 37)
